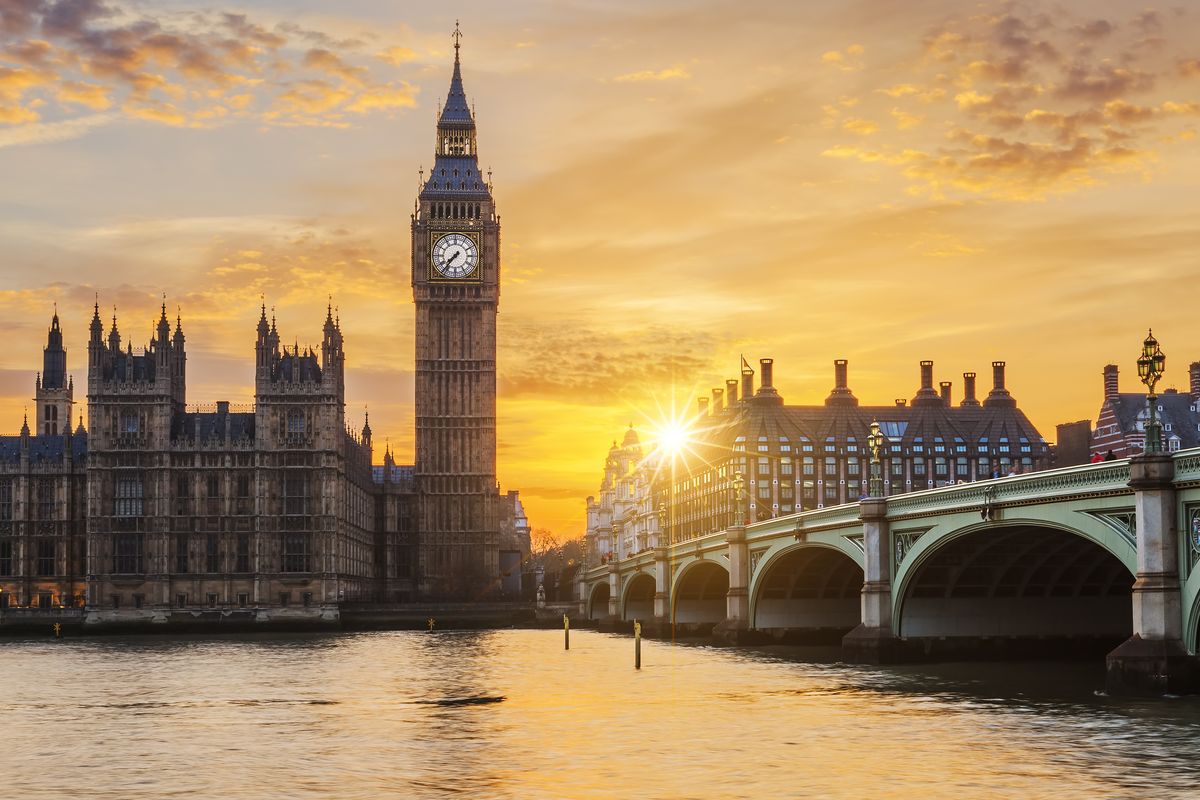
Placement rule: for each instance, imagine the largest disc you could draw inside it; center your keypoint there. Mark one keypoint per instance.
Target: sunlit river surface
(357, 716)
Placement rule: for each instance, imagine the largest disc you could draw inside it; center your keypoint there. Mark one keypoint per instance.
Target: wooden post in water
(637, 644)
(566, 632)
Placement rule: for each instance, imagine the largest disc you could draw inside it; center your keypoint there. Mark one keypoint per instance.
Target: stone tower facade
(456, 289)
(53, 389)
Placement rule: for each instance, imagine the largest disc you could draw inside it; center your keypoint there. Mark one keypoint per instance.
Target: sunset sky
(679, 183)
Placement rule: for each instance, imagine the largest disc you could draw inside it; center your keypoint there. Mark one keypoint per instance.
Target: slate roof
(401, 475)
(456, 111)
(43, 448)
(211, 425)
(1177, 411)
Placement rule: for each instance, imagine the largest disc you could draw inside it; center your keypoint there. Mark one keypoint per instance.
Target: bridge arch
(1015, 580)
(698, 593)
(637, 601)
(807, 589)
(598, 601)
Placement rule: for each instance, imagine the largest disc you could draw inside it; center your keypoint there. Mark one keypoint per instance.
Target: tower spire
(457, 39)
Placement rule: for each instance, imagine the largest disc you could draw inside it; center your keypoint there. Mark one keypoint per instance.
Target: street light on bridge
(1151, 366)
(875, 441)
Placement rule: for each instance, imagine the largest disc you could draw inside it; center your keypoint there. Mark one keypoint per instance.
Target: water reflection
(358, 716)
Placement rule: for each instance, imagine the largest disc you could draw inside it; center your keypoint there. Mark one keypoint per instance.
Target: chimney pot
(945, 387)
(747, 383)
(927, 375)
(718, 400)
(901, 402)
(702, 406)
(997, 376)
(1194, 380)
(731, 392)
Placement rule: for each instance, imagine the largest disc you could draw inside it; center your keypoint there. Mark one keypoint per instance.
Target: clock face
(455, 255)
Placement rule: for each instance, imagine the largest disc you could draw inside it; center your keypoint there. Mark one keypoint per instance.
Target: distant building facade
(1121, 424)
(795, 458)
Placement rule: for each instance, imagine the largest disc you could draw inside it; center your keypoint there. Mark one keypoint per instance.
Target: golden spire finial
(457, 38)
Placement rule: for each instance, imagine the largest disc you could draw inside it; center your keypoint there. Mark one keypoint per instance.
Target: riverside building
(796, 458)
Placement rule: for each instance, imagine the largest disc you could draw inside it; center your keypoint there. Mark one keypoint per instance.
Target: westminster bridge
(1096, 557)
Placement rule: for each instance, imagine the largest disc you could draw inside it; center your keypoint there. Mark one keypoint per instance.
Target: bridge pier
(735, 628)
(614, 595)
(874, 640)
(1154, 660)
(662, 593)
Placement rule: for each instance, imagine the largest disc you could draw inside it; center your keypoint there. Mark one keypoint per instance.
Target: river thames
(406, 714)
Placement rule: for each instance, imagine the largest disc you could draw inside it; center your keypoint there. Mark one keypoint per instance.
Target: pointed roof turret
(80, 430)
(456, 111)
(97, 327)
(164, 326)
(114, 336)
(456, 170)
(263, 328)
(366, 431)
(25, 425)
(54, 357)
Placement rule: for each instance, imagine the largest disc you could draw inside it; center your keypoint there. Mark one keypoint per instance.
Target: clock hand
(453, 258)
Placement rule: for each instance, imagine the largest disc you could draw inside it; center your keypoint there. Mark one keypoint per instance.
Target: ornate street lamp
(875, 441)
(1151, 366)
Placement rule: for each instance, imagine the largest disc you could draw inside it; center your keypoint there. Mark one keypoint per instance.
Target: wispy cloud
(640, 76)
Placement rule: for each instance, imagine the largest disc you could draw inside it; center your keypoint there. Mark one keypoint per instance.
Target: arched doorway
(809, 594)
(1021, 590)
(639, 598)
(699, 598)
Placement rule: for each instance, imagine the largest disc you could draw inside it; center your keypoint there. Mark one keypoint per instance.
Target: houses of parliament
(153, 507)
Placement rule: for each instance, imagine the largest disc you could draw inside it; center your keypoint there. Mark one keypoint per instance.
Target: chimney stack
(767, 393)
(702, 406)
(841, 394)
(945, 387)
(718, 401)
(1194, 380)
(766, 365)
(901, 402)
(969, 390)
(927, 395)
(731, 392)
(747, 381)
(1112, 381)
(999, 396)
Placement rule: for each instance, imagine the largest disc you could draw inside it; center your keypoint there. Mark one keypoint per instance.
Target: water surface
(376, 715)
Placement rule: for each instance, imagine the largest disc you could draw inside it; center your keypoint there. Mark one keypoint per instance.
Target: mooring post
(566, 632)
(637, 644)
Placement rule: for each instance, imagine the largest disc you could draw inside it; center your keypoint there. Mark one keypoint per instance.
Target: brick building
(795, 458)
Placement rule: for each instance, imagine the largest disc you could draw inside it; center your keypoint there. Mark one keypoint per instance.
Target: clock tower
(456, 289)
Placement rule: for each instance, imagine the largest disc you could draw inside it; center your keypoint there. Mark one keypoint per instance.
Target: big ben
(456, 290)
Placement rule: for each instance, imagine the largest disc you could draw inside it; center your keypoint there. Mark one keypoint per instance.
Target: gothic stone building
(795, 458)
(276, 508)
